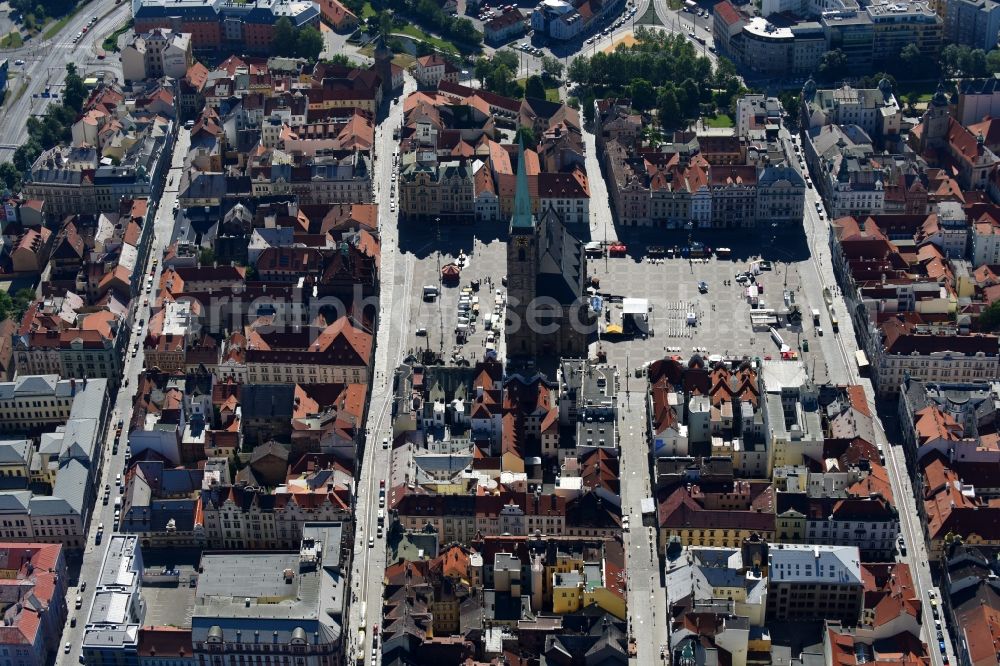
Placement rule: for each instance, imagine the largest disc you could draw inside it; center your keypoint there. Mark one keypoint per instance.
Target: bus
(862, 361)
(360, 652)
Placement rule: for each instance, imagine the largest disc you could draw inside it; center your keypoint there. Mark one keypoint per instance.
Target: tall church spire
(522, 218)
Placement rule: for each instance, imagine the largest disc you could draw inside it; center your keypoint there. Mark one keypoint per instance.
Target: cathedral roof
(522, 218)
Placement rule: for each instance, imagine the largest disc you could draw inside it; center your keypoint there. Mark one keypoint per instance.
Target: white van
(381, 516)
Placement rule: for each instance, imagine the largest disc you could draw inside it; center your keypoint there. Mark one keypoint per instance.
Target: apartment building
(156, 54)
(564, 20)
(901, 349)
(792, 36)
(845, 171)
(33, 401)
(278, 603)
(222, 25)
(875, 110)
(95, 347)
(340, 353)
(706, 180)
(792, 416)
(36, 591)
(111, 634)
(73, 451)
(430, 70)
(75, 180)
(814, 583)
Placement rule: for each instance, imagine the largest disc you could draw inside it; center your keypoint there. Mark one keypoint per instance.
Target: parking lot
(434, 321)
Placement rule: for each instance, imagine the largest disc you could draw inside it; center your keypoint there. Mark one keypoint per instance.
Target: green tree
(74, 92)
(482, 70)
(22, 299)
(207, 256)
(579, 70)
(993, 61)
(507, 58)
(355, 6)
(339, 59)
(977, 62)
(792, 104)
(526, 134)
(833, 65)
(464, 30)
(692, 97)
(383, 23)
(283, 42)
(989, 319)
(10, 177)
(552, 67)
(534, 87)
(40, 12)
(6, 306)
(668, 111)
(14, 307)
(309, 44)
(643, 94)
(652, 136)
(910, 58)
(500, 80)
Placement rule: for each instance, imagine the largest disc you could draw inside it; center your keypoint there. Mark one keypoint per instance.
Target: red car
(381, 483)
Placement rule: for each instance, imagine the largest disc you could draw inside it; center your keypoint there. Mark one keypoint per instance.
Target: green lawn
(552, 94)
(11, 40)
(110, 43)
(52, 29)
(367, 11)
(721, 120)
(923, 89)
(438, 43)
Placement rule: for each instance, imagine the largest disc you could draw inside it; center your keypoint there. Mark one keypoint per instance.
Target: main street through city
(840, 357)
(393, 326)
(113, 463)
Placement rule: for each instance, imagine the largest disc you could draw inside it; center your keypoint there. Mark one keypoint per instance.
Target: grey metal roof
(51, 506)
(14, 451)
(88, 399)
(15, 502)
(79, 439)
(72, 481)
(28, 385)
(791, 563)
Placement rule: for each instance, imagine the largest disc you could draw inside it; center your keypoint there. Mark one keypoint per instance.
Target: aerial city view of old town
(458, 333)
